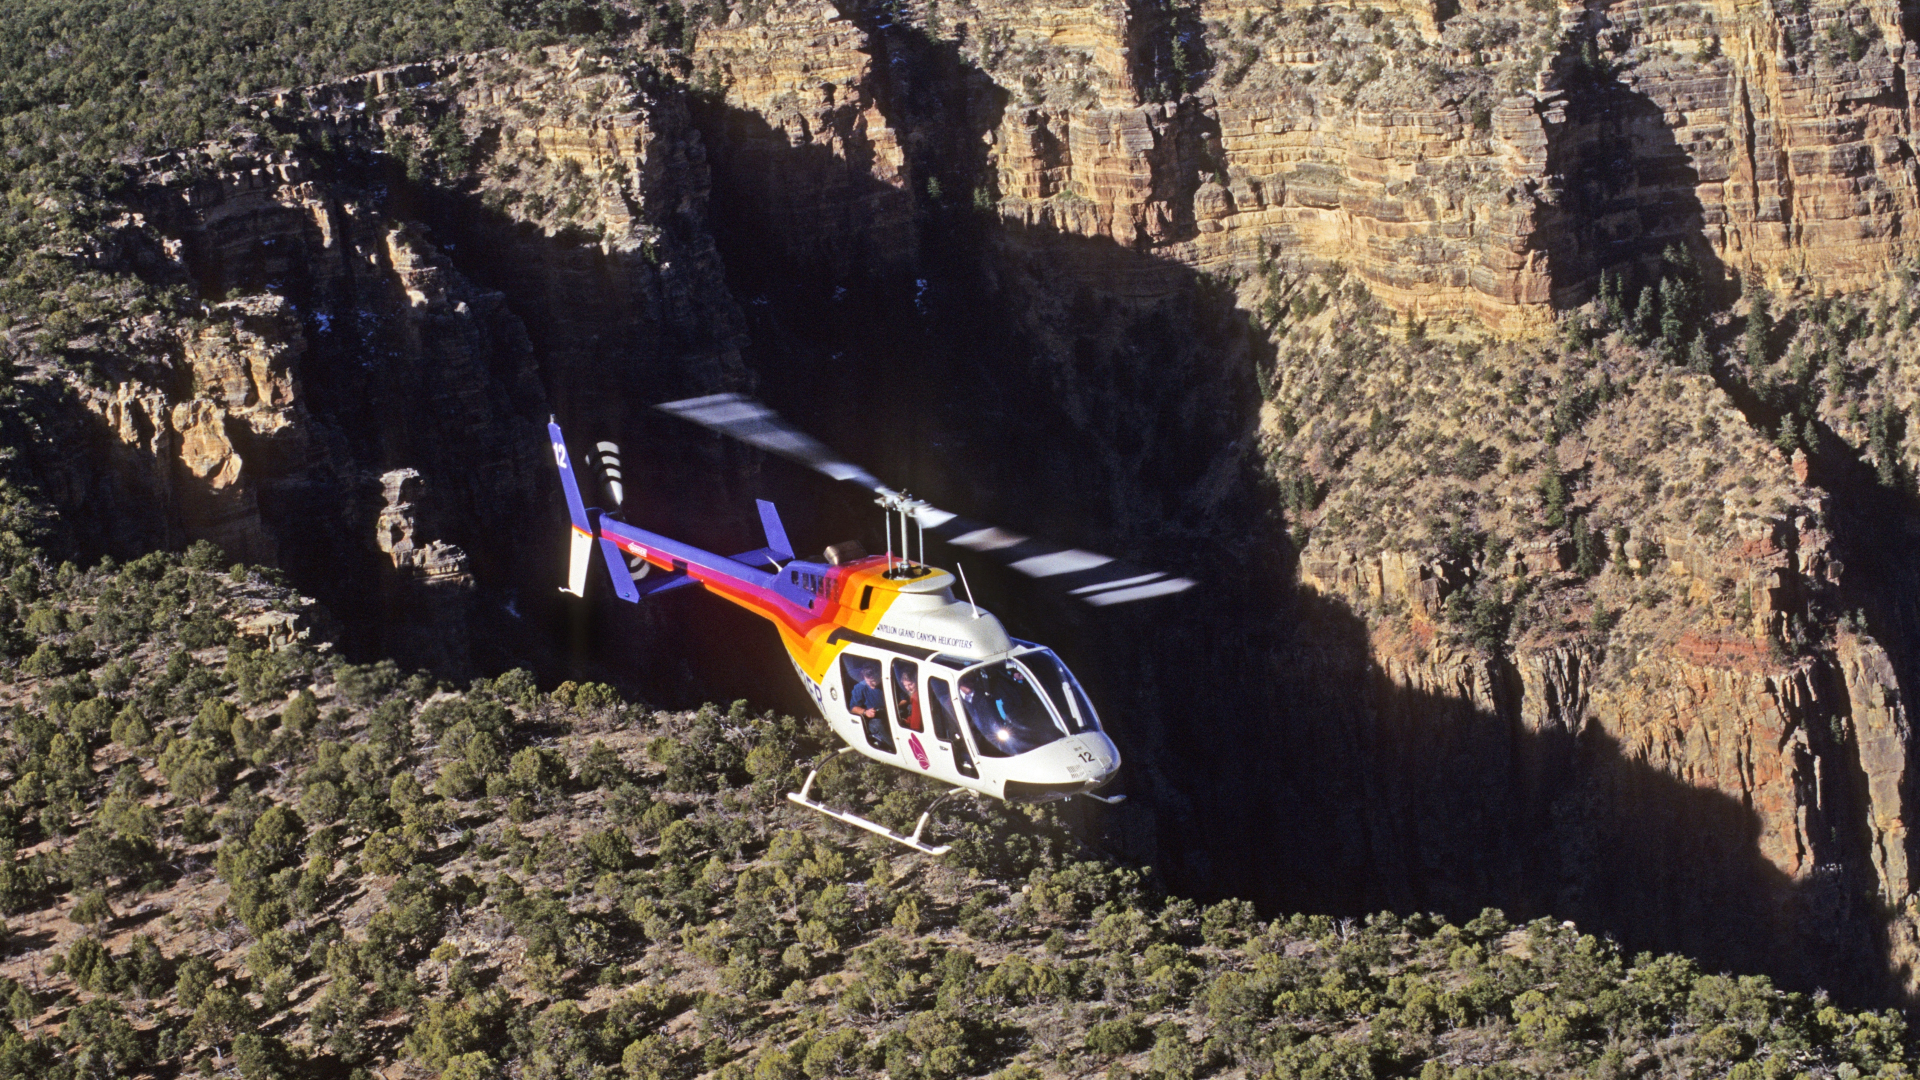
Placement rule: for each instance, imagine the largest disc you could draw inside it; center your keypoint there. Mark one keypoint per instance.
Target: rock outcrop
(354, 341)
(435, 564)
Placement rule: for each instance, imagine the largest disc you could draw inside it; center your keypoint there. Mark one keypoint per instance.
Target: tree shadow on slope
(998, 370)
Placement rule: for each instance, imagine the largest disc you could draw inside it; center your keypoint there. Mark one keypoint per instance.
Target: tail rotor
(606, 456)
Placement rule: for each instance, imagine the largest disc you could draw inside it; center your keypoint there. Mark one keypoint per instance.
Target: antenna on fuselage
(969, 588)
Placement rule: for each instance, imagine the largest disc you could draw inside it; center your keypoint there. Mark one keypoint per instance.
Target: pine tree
(1555, 497)
(1699, 357)
(1586, 549)
(1646, 317)
(1759, 325)
(1673, 312)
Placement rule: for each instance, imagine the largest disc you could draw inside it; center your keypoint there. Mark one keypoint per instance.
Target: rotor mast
(911, 511)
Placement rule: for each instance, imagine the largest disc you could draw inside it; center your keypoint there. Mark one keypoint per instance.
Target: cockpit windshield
(1068, 699)
(1004, 710)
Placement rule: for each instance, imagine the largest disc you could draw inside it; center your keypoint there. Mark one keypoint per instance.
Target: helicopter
(904, 672)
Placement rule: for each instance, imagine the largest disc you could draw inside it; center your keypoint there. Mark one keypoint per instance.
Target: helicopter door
(907, 711)
(946, 729)
(860, 677)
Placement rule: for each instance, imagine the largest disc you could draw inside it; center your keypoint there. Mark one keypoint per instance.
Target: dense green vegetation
(229, 859)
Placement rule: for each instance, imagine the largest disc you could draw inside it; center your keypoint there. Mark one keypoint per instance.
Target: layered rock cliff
(341, 340)
(1486, 165)
(1595, 701)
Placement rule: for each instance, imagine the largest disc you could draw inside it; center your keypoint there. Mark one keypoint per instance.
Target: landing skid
(803, 798)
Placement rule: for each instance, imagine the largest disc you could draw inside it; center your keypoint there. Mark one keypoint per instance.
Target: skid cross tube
(803, 798)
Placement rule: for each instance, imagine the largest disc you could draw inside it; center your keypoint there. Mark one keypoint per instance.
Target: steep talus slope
(1642, 604)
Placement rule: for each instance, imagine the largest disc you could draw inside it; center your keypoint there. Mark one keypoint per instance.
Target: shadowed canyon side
(1681, 775)
(1563, 627)
(371, 316)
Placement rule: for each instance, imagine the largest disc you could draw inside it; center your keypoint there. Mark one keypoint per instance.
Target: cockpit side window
(1006, 713)
(946, 727)
(1064, 690)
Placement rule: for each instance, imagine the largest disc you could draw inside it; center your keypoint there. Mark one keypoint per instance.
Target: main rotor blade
(1088, 576)
(755, 424)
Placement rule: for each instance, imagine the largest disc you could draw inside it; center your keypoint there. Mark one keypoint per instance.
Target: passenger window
(861, 678)
(906, 695)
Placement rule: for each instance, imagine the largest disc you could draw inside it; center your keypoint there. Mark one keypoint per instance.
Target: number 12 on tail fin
(582, 533)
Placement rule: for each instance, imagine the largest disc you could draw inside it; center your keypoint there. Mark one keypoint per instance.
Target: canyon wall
(343, 340)
(1486, 167)
(1654, 750)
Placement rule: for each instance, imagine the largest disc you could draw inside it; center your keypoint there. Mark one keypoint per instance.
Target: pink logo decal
(919, 755)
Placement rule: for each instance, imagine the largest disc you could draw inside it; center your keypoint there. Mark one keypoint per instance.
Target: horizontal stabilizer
(761, 557)
(617, 570)
(654, 585)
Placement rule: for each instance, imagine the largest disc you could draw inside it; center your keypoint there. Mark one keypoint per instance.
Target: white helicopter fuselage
(957, 700)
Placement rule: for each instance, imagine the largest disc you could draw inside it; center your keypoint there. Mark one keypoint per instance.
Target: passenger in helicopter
(906, 695)
(865, 702)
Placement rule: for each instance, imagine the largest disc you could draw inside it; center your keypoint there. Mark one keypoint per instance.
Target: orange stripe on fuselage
(804, 632)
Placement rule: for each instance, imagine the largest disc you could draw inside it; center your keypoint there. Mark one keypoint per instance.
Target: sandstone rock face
(1488, 166)
(1776, 139)
(1659, 723)
(814, 160)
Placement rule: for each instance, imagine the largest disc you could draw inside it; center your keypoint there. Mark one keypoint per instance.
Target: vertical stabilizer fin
(576, 510)
(777, 542)
(579, 557)
(580, 554)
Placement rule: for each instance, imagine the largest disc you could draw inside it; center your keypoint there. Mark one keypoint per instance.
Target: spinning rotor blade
(1091, 577)
(753, 423)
